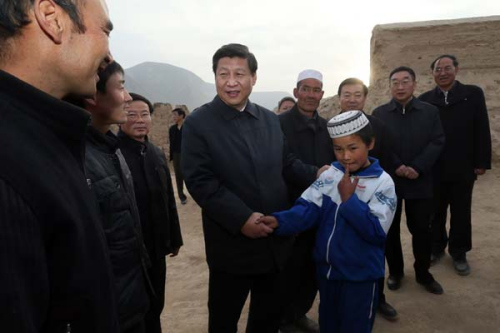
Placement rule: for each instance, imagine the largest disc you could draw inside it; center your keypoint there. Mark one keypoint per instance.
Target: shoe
(433, 287)
(183, 201)
(436, 257)
(461, 266)
(305, 324)
(387, 311)
(394, 282)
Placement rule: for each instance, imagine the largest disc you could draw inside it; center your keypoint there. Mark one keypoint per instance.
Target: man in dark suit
(155, 200)
(175, 139)
(234, 159)
(466, 155)
(55, 273)
(308, 138)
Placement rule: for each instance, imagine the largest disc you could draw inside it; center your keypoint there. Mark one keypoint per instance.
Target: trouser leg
(266, 303)
(347, 306)
(418, 217)
(460, 219)
(300, 278)
(441, 202)
(179, 178)
(393, 250)
(226, 297)
(157, 275)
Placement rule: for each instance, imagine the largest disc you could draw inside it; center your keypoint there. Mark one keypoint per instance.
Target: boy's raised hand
(347, 187)
(270, 221)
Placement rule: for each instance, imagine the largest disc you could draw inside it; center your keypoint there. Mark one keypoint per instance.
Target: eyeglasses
(447, 69)
(135, 116)
(404, 83)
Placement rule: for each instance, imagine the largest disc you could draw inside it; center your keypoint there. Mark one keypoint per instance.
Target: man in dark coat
(175, 139)
(111, 182)
(308, 138)
(418, 139)
(233, 163)
(155, 199)
(466, 155)
(54, 267)
(352, 94)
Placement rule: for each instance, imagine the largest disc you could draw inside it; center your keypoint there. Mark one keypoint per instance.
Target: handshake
(258, 226)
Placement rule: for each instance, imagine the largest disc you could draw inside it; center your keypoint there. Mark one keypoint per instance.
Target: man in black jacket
(418, 140)
(111, 182)
(233, 163)
(155, 200)
(308, 138)
(175, 139)
(466, 155)
(352, 94)
(54, 266)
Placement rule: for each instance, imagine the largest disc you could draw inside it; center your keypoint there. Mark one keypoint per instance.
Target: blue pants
(346, 306)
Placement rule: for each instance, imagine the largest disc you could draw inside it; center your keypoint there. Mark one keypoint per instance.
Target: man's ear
(50, 18)
(91, 101)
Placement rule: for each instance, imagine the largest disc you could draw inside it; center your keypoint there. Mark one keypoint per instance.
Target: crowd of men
(88, 216)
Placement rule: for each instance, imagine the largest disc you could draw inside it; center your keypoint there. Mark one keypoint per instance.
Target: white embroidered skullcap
(310, 74)
(347, 123)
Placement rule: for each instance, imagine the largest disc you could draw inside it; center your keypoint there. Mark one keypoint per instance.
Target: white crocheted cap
(310, 74)
(347, 123)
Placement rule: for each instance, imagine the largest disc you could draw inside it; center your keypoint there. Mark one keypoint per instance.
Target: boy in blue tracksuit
(352, 204)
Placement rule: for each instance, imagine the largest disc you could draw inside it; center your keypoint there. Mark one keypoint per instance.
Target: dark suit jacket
(467, 130)
(233, 164)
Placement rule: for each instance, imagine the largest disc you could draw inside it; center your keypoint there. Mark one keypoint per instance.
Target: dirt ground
(469, 304)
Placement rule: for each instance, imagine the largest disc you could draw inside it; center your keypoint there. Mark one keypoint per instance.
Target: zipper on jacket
(404, 110)
(329, 241)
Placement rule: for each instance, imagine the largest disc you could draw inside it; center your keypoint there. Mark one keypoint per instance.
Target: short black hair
(14, 15)
(452, 57)
(180, 112)
(284, 99)
(137, 97)
(403, 69)
(352, 81)
(235, 50)
(106, 73)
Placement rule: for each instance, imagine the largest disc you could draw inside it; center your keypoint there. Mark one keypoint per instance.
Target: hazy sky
(286, 36)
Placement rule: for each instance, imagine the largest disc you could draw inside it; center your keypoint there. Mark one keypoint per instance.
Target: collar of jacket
(301, 122)
(68, 121)
(413, 104)
(457, 93)
(374, 170)
(107, 143)
(229, 113)
(133, 145)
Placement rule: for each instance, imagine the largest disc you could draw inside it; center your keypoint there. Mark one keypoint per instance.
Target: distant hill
(170, 84)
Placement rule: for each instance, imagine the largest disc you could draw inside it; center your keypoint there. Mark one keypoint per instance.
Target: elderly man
(352, 94)
(418, 139)
(155, 200)
(466, 155)
(55, 271)
(307, 136)
(233, 162)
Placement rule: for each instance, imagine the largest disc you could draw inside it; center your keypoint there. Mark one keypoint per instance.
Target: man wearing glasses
(418, 139)
(466, 155)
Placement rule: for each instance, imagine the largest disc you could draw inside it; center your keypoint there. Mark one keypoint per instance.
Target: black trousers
(227, 294)
(458, 197)
(418, 218)
(179, 178)
(157, 275)
(300, 278)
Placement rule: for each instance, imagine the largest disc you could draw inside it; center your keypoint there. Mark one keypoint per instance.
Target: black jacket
(175, 140)
(159, 218)
(418, 139)
(464, 118)
(54, 263)
(111, 182)
(233, 164)
(309, 140)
